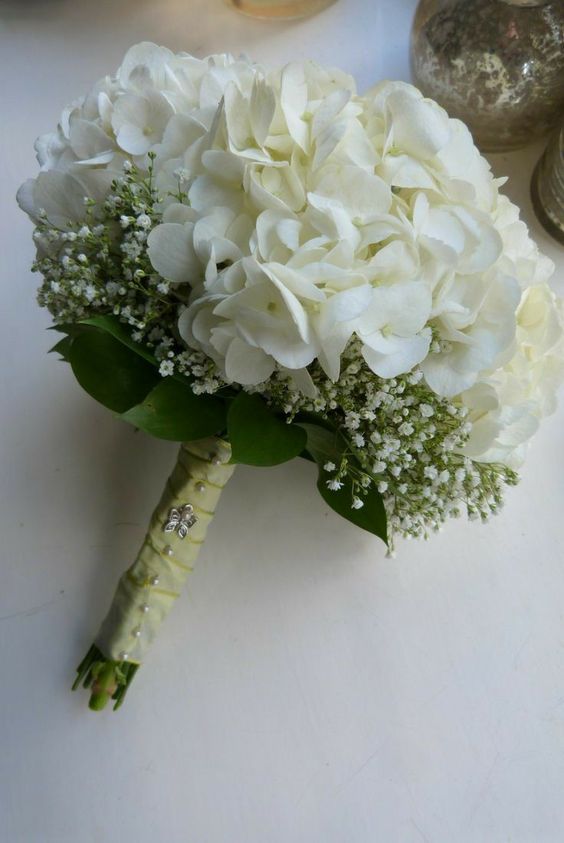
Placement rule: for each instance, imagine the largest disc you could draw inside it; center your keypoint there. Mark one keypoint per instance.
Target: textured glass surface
(548, 187)
(496, 64)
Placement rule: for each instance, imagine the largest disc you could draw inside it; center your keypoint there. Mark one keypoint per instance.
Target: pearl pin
(215, 459)
(168, 551)
(144, 607)
(123, 656)
(137, 632)
(155, 580)
(200, 487)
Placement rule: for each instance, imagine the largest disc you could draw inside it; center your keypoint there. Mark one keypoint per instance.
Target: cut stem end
(107, 679)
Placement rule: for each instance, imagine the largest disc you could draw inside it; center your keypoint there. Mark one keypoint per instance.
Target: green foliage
(372, 516)
(63, 348)
(109, 371)
(257, 435)
(123, 376)
(172, 411)
(324, 444)
(113, 326)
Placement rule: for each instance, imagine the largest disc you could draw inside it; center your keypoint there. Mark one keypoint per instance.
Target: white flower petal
(261, 110)
(89, 141)
(207, 193)
(392, 356)
(132, 139)
(247, 365)
(328, 110)
(401, 309)
(144, 55)
(344, 307)
(420, 127)
(444, 378)
(58, 194)
(302, 381)
(364, 196)
(171, 252)
(293, 102)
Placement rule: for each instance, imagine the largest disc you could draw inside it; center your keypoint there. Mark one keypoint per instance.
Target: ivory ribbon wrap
(142, 601)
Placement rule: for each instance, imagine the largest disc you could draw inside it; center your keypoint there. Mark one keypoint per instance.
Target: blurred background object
(280, 8)
(547, 186)
(496, 64)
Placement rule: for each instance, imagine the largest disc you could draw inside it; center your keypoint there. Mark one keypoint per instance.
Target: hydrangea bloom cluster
(279, 233)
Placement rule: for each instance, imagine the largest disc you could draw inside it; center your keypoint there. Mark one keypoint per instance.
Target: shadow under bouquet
(265, 265)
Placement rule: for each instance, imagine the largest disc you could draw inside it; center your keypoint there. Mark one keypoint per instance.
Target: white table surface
(306, 689)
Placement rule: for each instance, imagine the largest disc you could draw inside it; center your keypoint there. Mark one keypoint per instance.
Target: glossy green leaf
(329, 445)
(323, 442)
(112, 325)
(109, 371)
(172, 411)
(258, 437)
(372, 516)
(62, 348)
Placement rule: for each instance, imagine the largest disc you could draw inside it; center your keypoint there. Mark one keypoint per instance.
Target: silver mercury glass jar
(498, 65)
(547, 186)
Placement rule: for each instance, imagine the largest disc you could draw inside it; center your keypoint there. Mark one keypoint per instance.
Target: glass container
(279, 8)
(498, 65)
(547, 187)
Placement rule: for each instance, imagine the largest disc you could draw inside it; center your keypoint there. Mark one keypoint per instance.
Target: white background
(306, 689)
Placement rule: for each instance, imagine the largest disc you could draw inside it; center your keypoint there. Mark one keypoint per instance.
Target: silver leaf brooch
(180, 520)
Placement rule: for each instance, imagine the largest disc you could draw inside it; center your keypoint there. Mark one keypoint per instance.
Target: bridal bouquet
(265, 265)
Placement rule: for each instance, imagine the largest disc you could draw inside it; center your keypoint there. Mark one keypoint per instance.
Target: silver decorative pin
(180, 520)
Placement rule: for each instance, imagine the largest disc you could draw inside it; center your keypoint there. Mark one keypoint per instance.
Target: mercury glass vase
(498, 65)
(547, 187)
(280, 8)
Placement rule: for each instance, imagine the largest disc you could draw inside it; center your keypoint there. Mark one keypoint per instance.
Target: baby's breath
(100, 266)
(407, 442)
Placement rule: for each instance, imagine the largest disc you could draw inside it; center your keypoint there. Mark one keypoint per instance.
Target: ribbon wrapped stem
(148, 589)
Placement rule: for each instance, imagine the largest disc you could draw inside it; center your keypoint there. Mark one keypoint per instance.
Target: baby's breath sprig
(100, 266)
(406, 441)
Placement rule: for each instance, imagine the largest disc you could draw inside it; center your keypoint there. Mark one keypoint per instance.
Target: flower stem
(147, 590)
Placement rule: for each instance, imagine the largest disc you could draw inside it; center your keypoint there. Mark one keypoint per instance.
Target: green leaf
(63, 348)
(329, 445)
(323, 443)
(258, 437)
(372, 516)
(71, 329)
(113, 326)
(109, 371)
(172, 411)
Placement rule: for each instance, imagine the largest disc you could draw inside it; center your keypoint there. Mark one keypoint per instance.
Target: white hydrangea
(302, 216)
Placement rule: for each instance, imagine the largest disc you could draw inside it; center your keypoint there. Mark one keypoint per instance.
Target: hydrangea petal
(420, 127)
(392, 356)
(247, 365)
(171, 252)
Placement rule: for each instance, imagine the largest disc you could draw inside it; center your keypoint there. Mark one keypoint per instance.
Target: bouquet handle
(148, 589)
